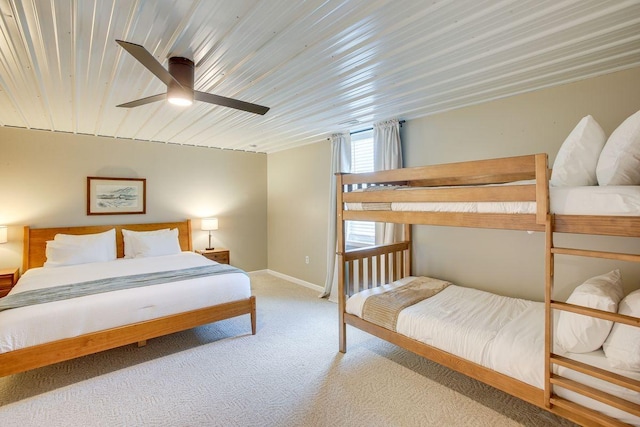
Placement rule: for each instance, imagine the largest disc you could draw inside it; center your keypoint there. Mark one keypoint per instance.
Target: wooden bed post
(408, 253)
(342, 298)
(542, 188)
(548, 317)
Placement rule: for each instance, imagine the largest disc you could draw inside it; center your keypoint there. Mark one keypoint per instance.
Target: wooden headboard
(35, 239)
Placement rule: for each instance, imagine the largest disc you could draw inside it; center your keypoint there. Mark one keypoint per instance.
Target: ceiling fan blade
(143, 101)
(229, 102)
(148, 61)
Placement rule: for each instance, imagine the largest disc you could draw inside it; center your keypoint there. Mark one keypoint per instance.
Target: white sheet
(593, 200)
(500, 333)
(37, 324)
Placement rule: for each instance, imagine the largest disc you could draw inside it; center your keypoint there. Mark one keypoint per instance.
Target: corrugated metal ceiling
(321, 65)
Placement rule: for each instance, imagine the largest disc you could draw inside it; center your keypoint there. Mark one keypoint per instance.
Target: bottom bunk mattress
(500, 333)
(41, 323)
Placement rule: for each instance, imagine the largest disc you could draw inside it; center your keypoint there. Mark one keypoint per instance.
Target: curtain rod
(367, 129)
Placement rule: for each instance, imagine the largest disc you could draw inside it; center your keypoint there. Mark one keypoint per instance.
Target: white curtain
(340, 162)
(387, 154)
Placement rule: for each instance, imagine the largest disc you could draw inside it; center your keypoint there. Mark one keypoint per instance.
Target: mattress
(42, 323)
(613, 200)
(500, 333)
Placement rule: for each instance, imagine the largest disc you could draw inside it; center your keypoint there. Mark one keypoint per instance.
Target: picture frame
(116, 196)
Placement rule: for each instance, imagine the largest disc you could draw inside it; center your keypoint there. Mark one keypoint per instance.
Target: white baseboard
(295, 280)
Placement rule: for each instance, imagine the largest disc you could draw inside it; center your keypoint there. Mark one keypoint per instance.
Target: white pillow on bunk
(578, 333)
(576, 161)
(619, 162)
(622, 347)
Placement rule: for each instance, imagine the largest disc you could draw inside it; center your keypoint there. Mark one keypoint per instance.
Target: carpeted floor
(289, 374)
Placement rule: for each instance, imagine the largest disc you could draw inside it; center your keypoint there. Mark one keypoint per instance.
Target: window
(361, 233)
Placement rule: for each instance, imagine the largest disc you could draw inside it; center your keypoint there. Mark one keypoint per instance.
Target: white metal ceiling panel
(321, 65)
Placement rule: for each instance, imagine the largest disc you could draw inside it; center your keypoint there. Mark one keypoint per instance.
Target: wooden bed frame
(49, 353)
(373, 266)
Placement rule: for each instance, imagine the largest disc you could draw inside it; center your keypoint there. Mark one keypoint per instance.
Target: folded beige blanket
(383, 309)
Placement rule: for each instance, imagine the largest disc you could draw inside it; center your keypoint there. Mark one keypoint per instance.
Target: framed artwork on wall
(116, 196)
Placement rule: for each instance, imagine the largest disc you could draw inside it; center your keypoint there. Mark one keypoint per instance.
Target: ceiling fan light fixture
(180, 99)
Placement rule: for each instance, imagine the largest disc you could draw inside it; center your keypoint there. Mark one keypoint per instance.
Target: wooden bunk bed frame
(57, 351)
(373, 266)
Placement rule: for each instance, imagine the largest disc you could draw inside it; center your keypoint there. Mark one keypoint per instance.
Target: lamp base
(209, 249)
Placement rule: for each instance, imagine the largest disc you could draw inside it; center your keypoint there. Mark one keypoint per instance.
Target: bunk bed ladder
(552, 379)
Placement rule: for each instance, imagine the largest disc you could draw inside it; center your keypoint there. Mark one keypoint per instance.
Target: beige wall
(506, 262)
(524, 124)
(43, 184)
(298, 211)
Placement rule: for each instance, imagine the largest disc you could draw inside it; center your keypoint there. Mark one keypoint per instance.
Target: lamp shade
(3, 234)
(208, 224)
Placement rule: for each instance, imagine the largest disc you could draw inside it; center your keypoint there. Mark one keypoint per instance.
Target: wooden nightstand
(8, 278)
(220, 255)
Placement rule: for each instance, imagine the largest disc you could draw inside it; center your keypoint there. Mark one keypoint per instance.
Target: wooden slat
(600, 314)
(625, 226)
(596, 394)
(473, 172)
(350, 280)
(525, 222)
(361, 275)
(374, 250)
(369, 273)
(597, 418)
(596, 372)
(597, 254)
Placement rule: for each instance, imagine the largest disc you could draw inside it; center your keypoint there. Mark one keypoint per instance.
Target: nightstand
(8, 278)
(220, 255)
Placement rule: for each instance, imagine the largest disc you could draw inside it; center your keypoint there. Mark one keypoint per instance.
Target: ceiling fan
(179, 80)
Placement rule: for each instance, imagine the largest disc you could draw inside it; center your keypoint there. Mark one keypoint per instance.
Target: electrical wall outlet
(306, 259)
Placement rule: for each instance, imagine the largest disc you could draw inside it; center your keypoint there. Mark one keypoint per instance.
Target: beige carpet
(289, 374)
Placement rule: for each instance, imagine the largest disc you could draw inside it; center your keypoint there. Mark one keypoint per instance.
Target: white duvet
(501, 333)
(37, 324)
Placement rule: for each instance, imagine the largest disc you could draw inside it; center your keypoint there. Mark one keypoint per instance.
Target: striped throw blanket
(110, 284)
(383, 309)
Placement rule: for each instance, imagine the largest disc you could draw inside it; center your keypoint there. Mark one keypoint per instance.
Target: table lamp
(209, 224)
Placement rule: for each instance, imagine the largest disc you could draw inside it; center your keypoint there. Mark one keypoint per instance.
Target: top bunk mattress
(621, 200)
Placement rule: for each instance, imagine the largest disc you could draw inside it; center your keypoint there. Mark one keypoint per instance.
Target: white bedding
(37, 324)
(592, 200)
(500, 333)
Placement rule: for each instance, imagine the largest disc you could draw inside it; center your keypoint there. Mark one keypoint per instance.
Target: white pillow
(153, 243)
(622, 347)
(68, 253)
(575, 164)
(103, 245)
(129, 239)
(619, 162)
(578, 333)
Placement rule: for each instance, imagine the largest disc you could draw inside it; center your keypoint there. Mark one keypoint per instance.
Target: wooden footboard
(41, 355)
(367, 268)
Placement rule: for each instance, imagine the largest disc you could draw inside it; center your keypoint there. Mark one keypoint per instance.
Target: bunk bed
(508, 193)
(33, 336)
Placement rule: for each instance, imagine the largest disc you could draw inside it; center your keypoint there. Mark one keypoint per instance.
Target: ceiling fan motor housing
(183, 70)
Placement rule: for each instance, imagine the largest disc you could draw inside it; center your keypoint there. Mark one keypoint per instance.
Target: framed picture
(116, 196)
